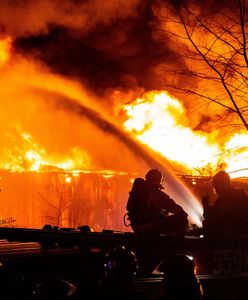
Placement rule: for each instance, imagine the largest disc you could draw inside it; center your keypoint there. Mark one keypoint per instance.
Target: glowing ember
(159, 121)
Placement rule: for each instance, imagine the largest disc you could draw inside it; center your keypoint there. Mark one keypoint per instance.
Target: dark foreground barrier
(28, 256)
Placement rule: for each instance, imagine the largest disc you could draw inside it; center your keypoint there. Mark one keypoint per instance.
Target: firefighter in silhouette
(120, 267)
(179, 279)
(150, 210)
(228, 216)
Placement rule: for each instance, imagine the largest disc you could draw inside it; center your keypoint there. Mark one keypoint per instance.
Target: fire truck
(27, 256)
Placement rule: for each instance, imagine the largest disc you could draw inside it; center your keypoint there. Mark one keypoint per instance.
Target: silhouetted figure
(179, 279)
(120, 269)
(229, 214)
(150, 210)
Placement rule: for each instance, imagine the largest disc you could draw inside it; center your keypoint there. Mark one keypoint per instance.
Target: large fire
(160, 121)
(157, 120)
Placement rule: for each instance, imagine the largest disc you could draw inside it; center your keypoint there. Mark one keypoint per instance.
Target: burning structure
(63, 199)
(77, 95)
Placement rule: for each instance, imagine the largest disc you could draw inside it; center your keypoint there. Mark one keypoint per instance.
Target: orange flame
(159, 121)
(30, 156)
(5, 47)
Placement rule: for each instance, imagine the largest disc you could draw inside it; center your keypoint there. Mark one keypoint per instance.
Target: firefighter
(228, 216)
(150, 210)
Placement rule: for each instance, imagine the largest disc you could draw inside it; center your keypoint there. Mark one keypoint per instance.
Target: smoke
(107, 45)
(25, 18)
(104, 44)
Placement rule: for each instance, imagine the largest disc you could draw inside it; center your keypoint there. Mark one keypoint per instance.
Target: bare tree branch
(218, 42)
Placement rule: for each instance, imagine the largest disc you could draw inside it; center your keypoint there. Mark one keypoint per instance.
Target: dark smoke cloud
(28, 17)
(105, 44)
